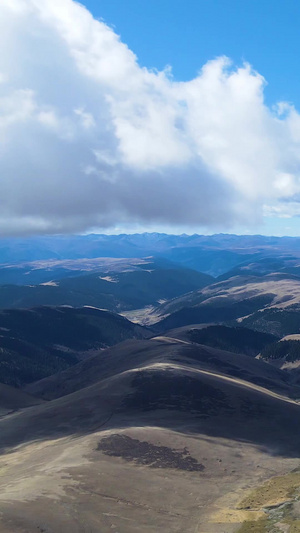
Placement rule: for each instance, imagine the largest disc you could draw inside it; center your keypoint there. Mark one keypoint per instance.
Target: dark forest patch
(236, 339)
(166, 390)
(145, 453)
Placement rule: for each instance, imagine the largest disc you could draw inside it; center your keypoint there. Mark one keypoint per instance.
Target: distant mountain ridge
(144, 285)
(238, 298)
(200, 252)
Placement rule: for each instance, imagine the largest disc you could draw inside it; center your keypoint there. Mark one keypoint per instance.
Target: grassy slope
(158, 443)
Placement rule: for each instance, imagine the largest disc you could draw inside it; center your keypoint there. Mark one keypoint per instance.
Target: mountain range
(213, 254)
(149, 383)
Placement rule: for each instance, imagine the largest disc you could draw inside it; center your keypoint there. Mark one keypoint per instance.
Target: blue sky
(187, 33)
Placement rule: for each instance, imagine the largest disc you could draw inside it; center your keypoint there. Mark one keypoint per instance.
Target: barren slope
(12, 399)
(169, 439)
(138, 353)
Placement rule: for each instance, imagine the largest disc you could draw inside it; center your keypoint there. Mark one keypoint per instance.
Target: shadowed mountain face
(169, 395)
(159, 351)
(41, 341)
(112, 290)
(279, 322)
(285, 351)
(11, 399)
(285, 354)
(233, 339)
(167, 383)
(155, 430)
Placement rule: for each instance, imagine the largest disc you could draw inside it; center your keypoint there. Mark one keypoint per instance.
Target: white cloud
(89, 138)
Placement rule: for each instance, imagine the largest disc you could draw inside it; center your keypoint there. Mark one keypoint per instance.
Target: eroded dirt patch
(145, 453)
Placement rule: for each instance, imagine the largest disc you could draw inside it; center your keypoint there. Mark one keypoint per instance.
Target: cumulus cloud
(90, 138)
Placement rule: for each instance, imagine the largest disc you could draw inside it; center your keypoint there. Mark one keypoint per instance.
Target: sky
(186, 34)
(138, 116)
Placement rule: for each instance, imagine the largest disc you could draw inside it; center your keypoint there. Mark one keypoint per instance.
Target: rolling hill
(110, 428)
(147, 284)
(161, 435)
(280, 263)
(38, 342)
(159, 350)
(43, 271)
(277, 321)
(242, 298)
(233, 339)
